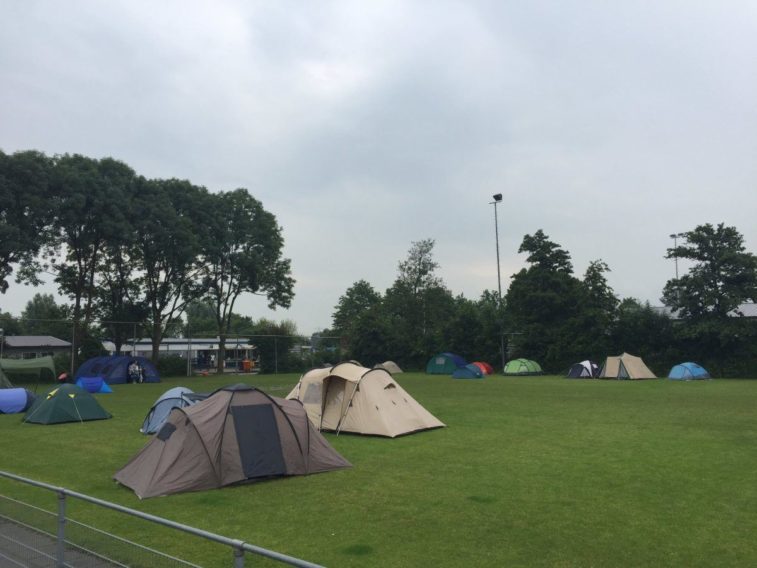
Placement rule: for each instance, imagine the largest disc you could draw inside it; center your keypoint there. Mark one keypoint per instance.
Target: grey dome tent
(177, 397)
(238, 434)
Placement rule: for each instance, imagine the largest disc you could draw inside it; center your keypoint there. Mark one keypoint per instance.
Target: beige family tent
(237, 434)
(625, 366)
(351, 398)
(390, 366)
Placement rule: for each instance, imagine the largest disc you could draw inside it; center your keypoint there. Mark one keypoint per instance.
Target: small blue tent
(13, 401)
(114, 369)
(468, 372)
(177, 397)
(444, 364)
(93, 385)
(687, 372)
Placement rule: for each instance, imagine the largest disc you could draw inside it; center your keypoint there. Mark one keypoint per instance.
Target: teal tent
(444, 364)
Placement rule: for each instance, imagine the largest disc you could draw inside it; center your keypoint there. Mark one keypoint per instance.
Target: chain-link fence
(53, 535)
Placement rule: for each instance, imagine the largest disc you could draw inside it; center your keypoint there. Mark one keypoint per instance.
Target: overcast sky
(364, 126)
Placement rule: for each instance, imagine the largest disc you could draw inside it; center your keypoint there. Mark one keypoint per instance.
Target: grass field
(537, 471)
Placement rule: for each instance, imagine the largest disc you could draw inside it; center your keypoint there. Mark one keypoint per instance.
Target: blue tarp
(688, 371)
(13, 401)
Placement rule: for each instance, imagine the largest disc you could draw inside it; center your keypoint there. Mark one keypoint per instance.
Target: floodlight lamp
(497, 197)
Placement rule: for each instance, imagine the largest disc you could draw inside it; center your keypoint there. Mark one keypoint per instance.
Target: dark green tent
(66, 403)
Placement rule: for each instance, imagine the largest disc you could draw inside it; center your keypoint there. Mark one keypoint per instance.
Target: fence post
(61, 542)
(238, 557)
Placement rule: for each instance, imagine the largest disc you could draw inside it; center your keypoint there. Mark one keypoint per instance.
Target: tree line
(558, 318)
(125, 248)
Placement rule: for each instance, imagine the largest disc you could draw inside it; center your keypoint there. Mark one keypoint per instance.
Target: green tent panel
(522, 367)
(66, 403)
(31, 368)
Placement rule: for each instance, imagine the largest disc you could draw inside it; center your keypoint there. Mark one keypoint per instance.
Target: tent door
(333, 402)
(258, 439)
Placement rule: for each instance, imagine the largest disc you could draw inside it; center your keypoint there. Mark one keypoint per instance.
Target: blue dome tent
(93, 385)
(688, 372)
(468, 372)
(114, 369)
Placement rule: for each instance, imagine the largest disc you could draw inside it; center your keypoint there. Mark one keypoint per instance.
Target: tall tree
(707, 297)
(358, 299)
(88, 204)
(25, 213)
(43, 316)
(168, 216)
(543, 302)
(723, 276)
(242, 254)
(597, 312)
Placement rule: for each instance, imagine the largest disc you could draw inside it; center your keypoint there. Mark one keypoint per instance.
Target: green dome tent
(66, 403)
(522, 367)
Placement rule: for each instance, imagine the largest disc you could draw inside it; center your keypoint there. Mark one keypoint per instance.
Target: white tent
(351, 398)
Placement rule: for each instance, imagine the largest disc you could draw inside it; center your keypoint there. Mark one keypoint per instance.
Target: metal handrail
(238, 545)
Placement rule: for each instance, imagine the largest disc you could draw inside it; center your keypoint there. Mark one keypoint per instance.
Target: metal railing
(49, 535)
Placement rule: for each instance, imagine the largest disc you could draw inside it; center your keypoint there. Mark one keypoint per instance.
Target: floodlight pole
(497, 200)
(2, 341)
(675, 236)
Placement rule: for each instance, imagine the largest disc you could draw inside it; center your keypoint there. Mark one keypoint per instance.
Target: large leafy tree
(358, 299)
(597, 312)
(168, 218)
(88, 198)
(43, 316)
(242, 254)
(25, 212)
(723, 276)
(543, 301)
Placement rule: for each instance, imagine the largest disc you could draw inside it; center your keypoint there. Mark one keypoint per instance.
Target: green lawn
(536, 471)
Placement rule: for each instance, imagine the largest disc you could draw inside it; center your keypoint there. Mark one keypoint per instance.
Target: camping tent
(468, 372)
(444, 364)
(93, 385)
(29, 370)
(350, 398)
(687, 372)
(177, 397)
(625, 366)
(583, 370)
(13, 401)
(114, 369)
(237, 434)
(522, 367)
(486, 368)
(390, 366)
(66, 403)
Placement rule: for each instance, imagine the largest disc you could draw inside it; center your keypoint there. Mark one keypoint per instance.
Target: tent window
(165, 432)
(312, 394)
(390, 386)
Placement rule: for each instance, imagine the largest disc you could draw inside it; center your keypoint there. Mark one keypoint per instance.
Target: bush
(172, 366)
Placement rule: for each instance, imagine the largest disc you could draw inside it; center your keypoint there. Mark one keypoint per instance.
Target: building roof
(747, 310)
(34, 341)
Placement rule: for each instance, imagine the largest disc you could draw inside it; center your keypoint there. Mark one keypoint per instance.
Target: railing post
(238, 557)
(61, 543)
